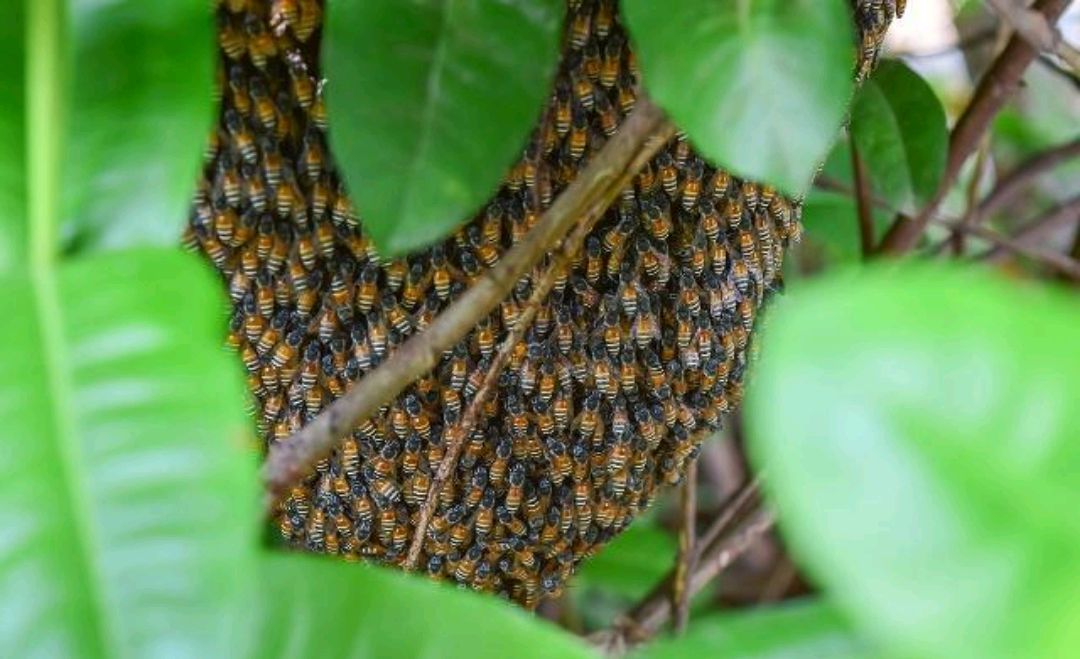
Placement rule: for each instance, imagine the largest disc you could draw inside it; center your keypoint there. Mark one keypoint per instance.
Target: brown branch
(1027, 236)
(559, 261)
(648, 616)
(863, 204)
(646, 619)
(1055, 260)
(685, 564)
(993, 91)
(1037, 31)
(971, 199)
(290, 460)
(1019, 179)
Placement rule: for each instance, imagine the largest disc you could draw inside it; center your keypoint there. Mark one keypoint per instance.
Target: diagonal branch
(290, 460)
(560, 260)
(1037, 31)
(994, 90)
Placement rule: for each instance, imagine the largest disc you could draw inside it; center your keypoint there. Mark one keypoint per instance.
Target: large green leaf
(632, 564)
(141, 81)
(12, 138)
(920, 430)
(808, 629)
(127, 494)
(898, 125)
(431, 101)
(317, 607)
(761, 87)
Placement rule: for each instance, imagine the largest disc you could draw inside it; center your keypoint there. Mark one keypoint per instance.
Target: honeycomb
(633, 358)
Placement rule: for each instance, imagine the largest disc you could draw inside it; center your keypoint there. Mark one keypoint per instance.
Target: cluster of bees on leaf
(632, 359)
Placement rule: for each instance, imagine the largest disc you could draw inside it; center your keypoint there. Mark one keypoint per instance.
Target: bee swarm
(635, 356)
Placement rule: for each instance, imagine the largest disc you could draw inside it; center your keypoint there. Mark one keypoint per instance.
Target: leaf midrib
(45, 71)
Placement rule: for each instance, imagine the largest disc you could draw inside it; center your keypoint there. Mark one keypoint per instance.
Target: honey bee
(579, 29)
(579, 135)
(303, 87)
(658, 222)
(230, 38)
(692, 185)
(310, 17)
(312, 159)
(367, 289)
(514, 492)
(260, 43)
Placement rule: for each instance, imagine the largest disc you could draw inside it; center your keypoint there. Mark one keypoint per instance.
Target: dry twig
(560, 260)
(290, 460)
(723, 542)
(684, 566)
(1037, 31)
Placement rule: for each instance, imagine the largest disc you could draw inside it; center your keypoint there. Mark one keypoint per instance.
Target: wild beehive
(634, 357)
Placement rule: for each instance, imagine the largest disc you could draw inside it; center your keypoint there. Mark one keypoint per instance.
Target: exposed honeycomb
(636, 355)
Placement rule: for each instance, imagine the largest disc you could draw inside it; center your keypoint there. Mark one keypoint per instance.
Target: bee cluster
(872, 18)
(633, 357)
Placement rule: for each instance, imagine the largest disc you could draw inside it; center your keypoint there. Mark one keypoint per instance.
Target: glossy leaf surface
(923, 456)
(431, 102)
(140, 90)
(319, 607)
(761, 87)
(898, 125)
(802, 630)
(127, 491)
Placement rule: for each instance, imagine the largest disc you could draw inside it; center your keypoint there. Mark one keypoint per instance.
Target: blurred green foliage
(923, 456)
(916, 424)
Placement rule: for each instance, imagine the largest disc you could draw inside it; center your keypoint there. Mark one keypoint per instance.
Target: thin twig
(1019, 179)
(646, 619)
(863, 207)
(972, 197)
(648, 616)
(1030, 233)
(559, 261)
(1037, 31)
(290, 460)
(685, 564)
(993, 91)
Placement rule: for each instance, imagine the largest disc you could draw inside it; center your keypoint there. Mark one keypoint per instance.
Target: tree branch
(721, 543)
(863, 206)
(560, 260)
(685, 563)
(993, 91)
(1019, 179)
(1037, 31)
(289, 461)
(1026, 237)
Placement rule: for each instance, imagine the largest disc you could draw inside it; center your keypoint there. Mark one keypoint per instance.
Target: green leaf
(899, 127)
(809, 629)
(318, 607)
(632, 564)
(760, 87)
(830, 221)
(920, 431)
(431, 102)
(140, 90)
(12, 138)
(127, 492)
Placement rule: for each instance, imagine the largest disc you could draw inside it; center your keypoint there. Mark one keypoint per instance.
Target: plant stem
(994, 90)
